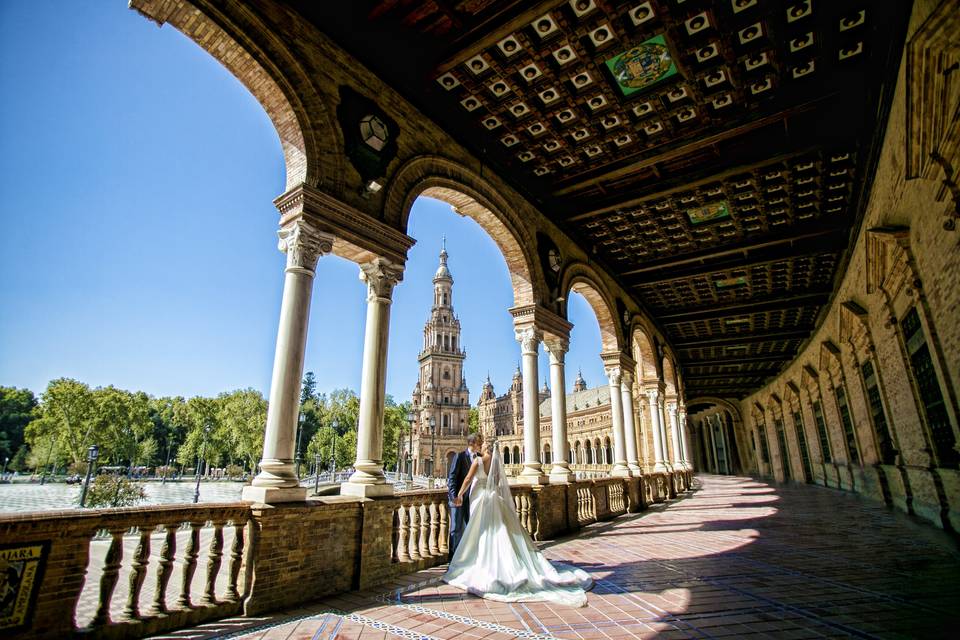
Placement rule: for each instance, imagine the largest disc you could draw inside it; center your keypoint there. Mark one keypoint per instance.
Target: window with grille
(847, 421)
(782, 442)
(822, 432)
(928, 387)
(764, 451)
(802, 442)
(877, 415)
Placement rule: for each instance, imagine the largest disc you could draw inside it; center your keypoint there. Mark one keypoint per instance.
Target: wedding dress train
(496, 558)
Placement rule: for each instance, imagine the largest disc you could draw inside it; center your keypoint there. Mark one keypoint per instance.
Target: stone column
(620, 468)
(662, 420)
(532, 473)
(277, 480)
(685, 437)
(629, 428)
(560, 471)
(380, 276)
(653, 396)
(678, 462)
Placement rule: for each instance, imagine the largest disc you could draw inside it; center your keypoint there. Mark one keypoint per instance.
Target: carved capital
(653, 395)
(556, 347)
(380, 276)
(529, 339)
(627, 378)
(615, 374)
(304, 244)
(672, 409)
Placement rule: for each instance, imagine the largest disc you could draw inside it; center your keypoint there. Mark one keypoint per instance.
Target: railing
(125, 572)
(421, 527)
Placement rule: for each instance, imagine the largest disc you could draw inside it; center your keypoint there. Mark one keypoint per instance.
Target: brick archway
(312, 148)
(581, 278)
(470, 195)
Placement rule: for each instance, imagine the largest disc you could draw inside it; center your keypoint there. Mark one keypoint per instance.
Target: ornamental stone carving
(380, 276)
(303, 244)
(557, 348)
(529, 339)
(614, 374)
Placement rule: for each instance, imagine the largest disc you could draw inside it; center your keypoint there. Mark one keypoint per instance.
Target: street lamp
(411, 418)
(333, 452)
(299, 456)
(92, 454)
(316, 473)
(203, 447)
(433, 449)
(6, 459)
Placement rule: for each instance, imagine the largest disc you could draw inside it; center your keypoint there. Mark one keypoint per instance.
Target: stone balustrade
(133, 572)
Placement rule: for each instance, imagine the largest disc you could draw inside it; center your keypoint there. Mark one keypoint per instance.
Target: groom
(456, 474)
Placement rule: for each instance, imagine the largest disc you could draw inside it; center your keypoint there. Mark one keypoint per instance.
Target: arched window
(516, 455)
(569, 453)
(546, 454)
(446, 374)
(608, 451)
(506, 455)
(589, 452)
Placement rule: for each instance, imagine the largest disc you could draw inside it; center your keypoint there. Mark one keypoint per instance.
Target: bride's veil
(497, 478)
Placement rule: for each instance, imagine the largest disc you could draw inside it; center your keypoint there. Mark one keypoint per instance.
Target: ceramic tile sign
(21, 572)
(642, 66)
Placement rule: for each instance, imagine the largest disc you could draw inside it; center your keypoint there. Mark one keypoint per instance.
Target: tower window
(822, 432)
(847, 421)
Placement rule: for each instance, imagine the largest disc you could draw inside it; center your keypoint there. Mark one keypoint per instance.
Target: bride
(496, 558)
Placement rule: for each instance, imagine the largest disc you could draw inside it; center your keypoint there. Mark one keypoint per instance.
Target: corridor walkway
(739, 558)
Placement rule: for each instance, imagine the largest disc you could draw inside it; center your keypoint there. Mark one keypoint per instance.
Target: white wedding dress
(496, 558)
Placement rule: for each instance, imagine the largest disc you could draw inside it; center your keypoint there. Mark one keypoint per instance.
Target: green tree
(242, 417)
(17, 409)
(340, 410)
(114, 491)
(308, 389)
(121, 422)
(394, 426)
(65, 421)
(323, 443)
(196, 414)
(166, 432)
(473, 422)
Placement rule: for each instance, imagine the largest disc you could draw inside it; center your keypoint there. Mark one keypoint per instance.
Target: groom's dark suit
(459, 516)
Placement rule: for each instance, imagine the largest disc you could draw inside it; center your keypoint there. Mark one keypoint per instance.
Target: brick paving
(739, 558)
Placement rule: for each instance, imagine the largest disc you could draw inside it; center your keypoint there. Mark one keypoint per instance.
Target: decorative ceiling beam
(747, 338)
(687, 185)
(726, 376)
(693, 146)
(737, 359)
(815, 298)
(825, 240)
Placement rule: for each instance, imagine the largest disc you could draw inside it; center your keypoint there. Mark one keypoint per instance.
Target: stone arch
(584, 280)
(669, 377)
(743, 461)
(300, 116)
(506, 455)
(472, 196)
(547, 453)
(644, 354)
(516, 455)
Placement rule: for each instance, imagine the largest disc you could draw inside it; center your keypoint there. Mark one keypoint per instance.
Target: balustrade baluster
(424, 531)
(168, 550)
(434, 529)
(444, 526)
(138, 571)
(109, 577)
(414, 532)
(215, 556)
(190, 553)
(236, 561)
(403, 540)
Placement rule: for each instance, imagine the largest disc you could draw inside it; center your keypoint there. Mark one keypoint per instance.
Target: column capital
(529, 338)
(627, 377)
(304, 244)
(615, 374)
(653, 395)
(380, 276)
(556, 347)
(672, 408)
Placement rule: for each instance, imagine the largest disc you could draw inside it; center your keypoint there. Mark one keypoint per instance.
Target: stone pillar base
(532, 479)
(273, 495)
(561, 475)
(366, 490)
(635, 469)
(660, 468)
(621, 471)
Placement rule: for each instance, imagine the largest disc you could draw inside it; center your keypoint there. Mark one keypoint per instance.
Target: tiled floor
(739, 558)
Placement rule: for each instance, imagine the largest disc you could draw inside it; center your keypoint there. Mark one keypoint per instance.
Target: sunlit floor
(738, 558)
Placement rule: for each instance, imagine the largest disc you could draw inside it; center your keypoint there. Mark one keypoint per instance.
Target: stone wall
(905, 260)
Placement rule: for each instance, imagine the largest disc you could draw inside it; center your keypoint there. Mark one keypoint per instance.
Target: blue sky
(138, 234)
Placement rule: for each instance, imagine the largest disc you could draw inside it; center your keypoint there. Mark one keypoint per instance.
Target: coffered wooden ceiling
(715, 156)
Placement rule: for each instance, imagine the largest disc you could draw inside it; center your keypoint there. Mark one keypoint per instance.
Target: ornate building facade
(441, 399)
(589, 425)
